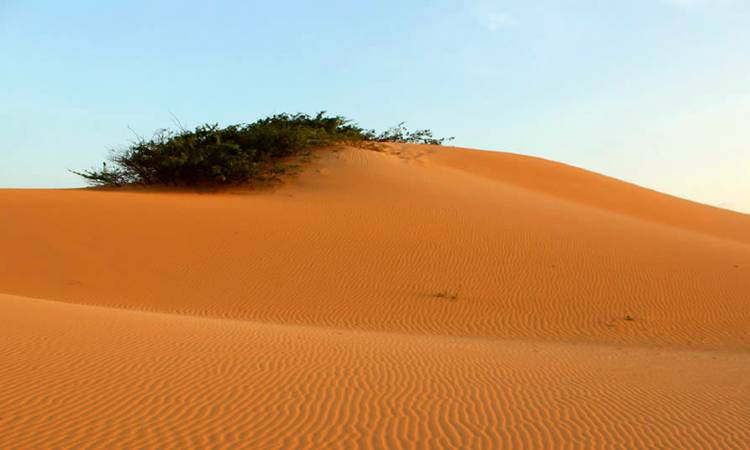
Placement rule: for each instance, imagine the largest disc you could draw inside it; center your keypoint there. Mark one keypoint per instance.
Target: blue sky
(655, 92)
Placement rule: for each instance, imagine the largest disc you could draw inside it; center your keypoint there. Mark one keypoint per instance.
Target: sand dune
(321, 314)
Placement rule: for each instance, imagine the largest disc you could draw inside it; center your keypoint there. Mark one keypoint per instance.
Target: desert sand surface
(419, 297)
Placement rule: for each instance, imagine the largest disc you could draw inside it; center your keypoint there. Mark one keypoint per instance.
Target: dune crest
(419, 297)
(598, 191)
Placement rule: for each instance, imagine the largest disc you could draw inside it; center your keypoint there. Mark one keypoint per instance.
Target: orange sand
(308, 316)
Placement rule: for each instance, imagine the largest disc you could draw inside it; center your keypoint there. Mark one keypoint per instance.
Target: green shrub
(211, 155)
(400, 133)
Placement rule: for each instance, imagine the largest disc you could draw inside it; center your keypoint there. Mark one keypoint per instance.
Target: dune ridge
(419, 297)
(589, 188)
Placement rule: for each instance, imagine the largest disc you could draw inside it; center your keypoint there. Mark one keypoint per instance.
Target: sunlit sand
(419, 297)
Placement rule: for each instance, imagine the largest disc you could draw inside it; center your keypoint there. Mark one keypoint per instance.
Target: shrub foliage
(211, 155)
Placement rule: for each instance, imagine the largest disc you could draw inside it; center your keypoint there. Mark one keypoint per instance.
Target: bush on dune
(211, 155)
(400, 133)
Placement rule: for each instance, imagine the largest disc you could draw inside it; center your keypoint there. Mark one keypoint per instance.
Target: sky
(655, 92)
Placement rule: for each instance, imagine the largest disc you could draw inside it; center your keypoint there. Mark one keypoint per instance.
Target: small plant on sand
(629, 318)
(447, 295)
(211, 155)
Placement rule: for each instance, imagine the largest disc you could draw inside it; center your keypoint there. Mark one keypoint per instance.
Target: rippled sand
(421, 297)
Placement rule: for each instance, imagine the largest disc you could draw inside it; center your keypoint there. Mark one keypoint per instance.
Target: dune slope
(421, 297)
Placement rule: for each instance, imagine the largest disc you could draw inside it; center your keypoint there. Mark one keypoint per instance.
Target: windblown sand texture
(419, 297)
